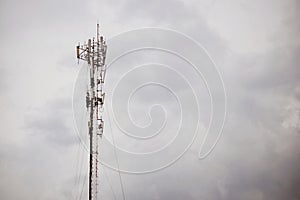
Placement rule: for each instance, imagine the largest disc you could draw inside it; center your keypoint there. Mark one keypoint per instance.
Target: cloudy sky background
(256, 47)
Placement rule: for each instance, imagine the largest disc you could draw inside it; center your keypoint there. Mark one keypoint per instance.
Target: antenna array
(94, 53)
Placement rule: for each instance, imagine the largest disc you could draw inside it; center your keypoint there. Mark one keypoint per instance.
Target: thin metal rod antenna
(97, 32)
(94, 53)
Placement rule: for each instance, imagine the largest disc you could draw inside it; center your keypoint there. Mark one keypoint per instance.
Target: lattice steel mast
(94, 53)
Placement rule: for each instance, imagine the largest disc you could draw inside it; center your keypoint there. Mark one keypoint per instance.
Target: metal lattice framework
(94, 53)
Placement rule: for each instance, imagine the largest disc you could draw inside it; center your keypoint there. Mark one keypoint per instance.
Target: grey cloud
(256, 158)
(52, 121)
(154, 10)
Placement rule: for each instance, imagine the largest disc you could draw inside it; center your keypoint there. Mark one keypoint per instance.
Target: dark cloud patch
(52, 121)
(262, 174)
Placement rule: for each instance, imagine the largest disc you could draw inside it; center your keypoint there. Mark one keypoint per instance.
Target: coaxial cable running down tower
(94, 53)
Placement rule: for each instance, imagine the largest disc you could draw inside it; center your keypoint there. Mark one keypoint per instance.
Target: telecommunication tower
(94, 53)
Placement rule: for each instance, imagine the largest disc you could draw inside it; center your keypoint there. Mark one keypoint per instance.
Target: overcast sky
(255, 45)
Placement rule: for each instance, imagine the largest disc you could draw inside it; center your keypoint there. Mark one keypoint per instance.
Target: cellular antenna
(94, 53)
